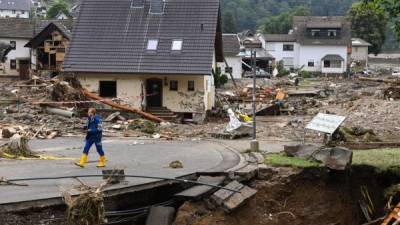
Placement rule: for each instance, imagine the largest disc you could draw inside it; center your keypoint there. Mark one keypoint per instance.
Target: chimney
(157, 6)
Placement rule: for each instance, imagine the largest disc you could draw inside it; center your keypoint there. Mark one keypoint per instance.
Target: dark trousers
(89, 143)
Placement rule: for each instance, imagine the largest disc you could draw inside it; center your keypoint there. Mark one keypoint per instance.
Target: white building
(16, 32)
(15, 8)
(231, 50)
(317, 44)
(359, 51)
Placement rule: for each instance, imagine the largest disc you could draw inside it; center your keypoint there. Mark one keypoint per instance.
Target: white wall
(19, 53)
(9, 13)
(316, 53)
(276, 50)
(236, 63)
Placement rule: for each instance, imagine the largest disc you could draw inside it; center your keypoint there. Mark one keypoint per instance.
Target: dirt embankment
(310, 197)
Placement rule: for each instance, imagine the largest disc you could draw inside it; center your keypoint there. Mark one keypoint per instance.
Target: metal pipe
(117, 175)
(253, 53)
(60, 112)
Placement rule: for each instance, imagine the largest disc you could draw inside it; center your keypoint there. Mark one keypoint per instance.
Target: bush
(305, 74)
(219, 78)
(281, 70)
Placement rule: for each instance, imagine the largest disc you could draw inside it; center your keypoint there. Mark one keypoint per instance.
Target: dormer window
(332, 33)
(152, 44)
(157, 6)
(177, 44)
(137, 4)
(315, 33)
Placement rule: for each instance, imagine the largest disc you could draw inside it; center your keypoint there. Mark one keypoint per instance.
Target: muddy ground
(311, 197)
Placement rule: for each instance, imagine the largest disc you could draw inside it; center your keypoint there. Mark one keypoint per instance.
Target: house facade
(150, 54)
(17, 33)
(15, 8)
(316, 44)
(233, 63)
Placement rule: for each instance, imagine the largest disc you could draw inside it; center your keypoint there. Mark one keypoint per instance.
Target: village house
(231, 53)
(316, 44)
(359, 51)
(15, 8)
(49, 45)
(155, 55)
(17, 33)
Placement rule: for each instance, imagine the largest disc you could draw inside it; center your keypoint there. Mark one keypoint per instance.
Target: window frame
(290, 49)
(13, 64)
(152, 41)
(109, 81)
(173, 85)
(180, 46)
(191, 85)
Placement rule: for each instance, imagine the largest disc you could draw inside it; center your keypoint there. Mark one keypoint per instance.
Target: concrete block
(265, 172)
(259, 158)
(198, 191)
(238, 199)
(221, 195)
(247, 173)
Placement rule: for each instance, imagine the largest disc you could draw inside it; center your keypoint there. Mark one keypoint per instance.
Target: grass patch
(305, 82)
(278, 160)
(383, 159)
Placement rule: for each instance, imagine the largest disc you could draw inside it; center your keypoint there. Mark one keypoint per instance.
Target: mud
(313, 196)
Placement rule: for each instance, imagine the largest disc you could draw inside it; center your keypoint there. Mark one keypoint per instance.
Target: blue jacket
(94, 129)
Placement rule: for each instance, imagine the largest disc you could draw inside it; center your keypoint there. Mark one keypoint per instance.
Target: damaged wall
(129, 88)
(19, 53)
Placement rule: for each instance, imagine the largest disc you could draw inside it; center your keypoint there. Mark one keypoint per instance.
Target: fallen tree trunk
(118, 106)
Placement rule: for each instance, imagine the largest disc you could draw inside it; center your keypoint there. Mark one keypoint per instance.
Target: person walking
(93, 136)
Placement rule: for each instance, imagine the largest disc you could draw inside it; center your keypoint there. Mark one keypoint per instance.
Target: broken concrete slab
(259, 158)
(160, 215)
(222, 195)
(238, 199)
(337, 158)
(198, 191)
(247, 173)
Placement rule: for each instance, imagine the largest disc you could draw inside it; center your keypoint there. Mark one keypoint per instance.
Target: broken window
(310, 63)
(13, 44)
(108, 89)
(190, 85)
(152, 44)
(288, 47)
(177, 45)
(13, 64)
(173, 85)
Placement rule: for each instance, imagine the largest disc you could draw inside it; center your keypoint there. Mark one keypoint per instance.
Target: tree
(228, 23)
(392, 8)
(57, 7)
(368, 22)
(282, 23)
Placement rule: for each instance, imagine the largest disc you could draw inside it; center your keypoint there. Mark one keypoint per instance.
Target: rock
(337, 158)
(176, 164)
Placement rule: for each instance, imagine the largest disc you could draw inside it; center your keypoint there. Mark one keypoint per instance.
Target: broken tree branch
(118, 106)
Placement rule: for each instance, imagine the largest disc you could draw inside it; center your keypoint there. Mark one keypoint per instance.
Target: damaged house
(49, 45)
(156, 55)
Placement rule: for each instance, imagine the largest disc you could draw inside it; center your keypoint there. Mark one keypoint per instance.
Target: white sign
(325, 123)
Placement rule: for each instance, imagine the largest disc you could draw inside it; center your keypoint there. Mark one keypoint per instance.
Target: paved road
(136, 157)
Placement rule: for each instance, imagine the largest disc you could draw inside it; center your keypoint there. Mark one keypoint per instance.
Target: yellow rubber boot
(84, 159)
(102, 161)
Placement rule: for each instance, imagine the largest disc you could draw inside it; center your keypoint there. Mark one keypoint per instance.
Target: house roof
(332, 57)
(16, 28)
(112, 36)
(358, 42)
(280, 38)
(46, 31)
(302, 23)
(25, 28)
(231, 44)
(15, 5)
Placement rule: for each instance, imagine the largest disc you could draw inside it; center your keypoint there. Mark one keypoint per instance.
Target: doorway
(154, 92)
(24, 69)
